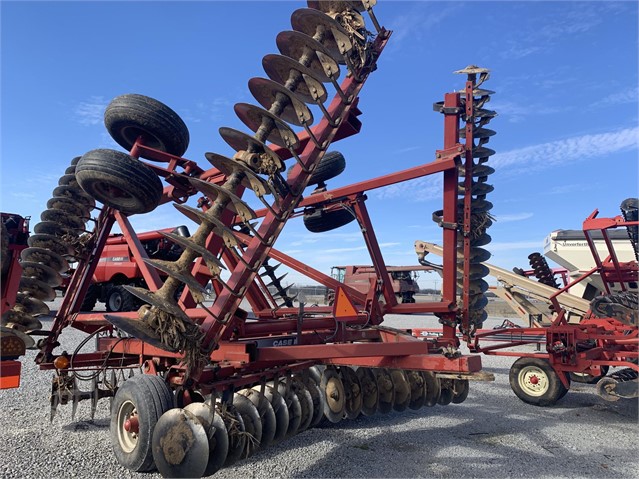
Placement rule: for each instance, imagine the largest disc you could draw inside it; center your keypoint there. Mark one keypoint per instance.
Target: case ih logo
(268, 343)
(115, 259)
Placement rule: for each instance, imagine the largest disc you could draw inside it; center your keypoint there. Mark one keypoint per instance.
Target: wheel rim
(534, 381)
(127, 435)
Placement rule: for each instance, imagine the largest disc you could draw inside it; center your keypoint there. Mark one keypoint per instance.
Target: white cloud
(91, 112)
(629, 95)
(421, 18)
(568, 150)
(420, 189)
(513, 217)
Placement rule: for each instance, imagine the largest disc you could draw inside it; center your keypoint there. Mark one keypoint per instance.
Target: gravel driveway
(492, 434)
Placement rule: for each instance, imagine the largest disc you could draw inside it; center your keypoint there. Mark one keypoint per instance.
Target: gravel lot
(492, 434)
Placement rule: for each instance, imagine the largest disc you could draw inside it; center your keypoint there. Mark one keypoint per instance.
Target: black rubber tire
(330, 166)
(319, 221)
(119, 300)
(150, 397)
(119, 181)
(549, 392)
(129, 116)
(88, 303)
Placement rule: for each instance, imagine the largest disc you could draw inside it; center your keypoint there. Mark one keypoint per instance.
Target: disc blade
(180, 445)
(139, 330)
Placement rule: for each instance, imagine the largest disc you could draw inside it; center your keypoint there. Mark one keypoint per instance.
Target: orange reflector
(61, 362)
(343, 306)
(10, 374)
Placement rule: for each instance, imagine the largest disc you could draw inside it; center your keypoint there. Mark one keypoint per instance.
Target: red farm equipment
(18, 310)
(231, 380)
(576, 339)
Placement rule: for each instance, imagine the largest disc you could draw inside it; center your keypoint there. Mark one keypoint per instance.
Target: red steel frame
(348, 333)
(617, 344)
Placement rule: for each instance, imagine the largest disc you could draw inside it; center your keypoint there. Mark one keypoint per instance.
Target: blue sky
(565, 76)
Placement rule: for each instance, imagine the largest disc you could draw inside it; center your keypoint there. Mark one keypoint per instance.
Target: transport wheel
(138, 405)
(129, 116)
(353, 391)
(319, 221)
(119, 181)
(120, 300)
(88, 303)
(331, 165)
(334, 395)
(534, 381)
(370, 391)
(461, 387)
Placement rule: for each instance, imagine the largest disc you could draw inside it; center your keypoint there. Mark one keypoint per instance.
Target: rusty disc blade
(251, 180)
(32, 306)
(50, 242)
(432, 388)
(386, 389)
(265, 410)
(335, 38)
(310, 53)
(334, 395)
(240, 141)
(279, 408)
(139, 330)
(36, 288)
(353, 390)
(28, 341)
(402, 390)
(45, 256)
(74, 193)
(64, 218)
(42, 272)
(281, 69)
(70, 206)
(267, 92)
(417, 389)
(24, 321)
(370, 391)
(218, 445)
(180, 444)
(253, 116)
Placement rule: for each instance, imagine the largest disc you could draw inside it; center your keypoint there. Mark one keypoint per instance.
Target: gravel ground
(492, 434)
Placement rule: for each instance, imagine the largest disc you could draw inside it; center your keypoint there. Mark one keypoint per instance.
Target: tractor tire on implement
(320, 221)
(330, 166)
(137, 406)
(535, 382)
(131, 116)
(119, 181)
(120, 300)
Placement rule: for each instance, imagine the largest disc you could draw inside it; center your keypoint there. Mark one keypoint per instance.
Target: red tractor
(117, 267)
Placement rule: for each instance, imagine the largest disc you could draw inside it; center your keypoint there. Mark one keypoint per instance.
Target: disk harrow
(58, 239)
(220, 383)
(473, 210)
